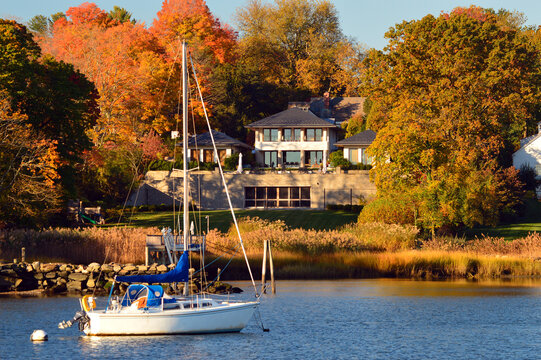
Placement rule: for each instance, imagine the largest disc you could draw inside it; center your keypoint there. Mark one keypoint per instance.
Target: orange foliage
(114, 56)
(192, 21)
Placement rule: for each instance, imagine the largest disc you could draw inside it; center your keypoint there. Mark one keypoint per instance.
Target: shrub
(392, 208)
(336, 158)
(231, 162)
(528, 177)
(160, 165)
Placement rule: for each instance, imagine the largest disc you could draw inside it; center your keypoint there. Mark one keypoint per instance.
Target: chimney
(326, 100)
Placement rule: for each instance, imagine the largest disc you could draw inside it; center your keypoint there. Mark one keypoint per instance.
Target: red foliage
(86, 13)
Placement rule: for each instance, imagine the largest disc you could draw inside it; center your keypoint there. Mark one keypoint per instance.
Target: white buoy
(39, 335)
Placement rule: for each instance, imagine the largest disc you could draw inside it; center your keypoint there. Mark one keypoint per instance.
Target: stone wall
(82, 279)
(207, 190)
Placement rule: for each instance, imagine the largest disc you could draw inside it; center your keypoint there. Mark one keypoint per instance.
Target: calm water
(360, 319)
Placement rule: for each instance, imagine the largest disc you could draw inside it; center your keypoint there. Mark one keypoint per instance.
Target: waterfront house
(293, 138)
(529, 154)
(356, 145)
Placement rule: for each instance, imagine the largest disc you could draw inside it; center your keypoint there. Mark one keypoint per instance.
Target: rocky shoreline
(49, 279)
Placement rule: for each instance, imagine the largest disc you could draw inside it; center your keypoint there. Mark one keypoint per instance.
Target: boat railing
(155, 247)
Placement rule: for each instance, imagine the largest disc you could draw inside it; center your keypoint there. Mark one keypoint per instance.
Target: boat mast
(185, 149)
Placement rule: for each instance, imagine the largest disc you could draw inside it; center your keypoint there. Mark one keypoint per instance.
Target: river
(350, 319)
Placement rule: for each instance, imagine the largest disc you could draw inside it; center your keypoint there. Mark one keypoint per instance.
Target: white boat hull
(231, 317)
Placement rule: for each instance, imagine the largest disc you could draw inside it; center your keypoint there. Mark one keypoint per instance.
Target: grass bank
(353, 251)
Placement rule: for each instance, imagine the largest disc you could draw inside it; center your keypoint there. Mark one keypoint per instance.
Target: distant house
(529, 154)
(200, 147)
(293, 138)
(356, 145)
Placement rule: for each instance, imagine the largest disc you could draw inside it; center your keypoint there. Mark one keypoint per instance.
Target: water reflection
(360, 319)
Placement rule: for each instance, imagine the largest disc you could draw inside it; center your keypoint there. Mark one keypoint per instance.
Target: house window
(353, 156)
(292, 158)
(313, 158)
(274, 196)
(297, 134)
(271, 158)
(313, 134)
(270, 134)
(208, 155)
(288, 135)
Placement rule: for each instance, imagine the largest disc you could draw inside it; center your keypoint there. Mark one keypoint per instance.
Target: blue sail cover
(179, 274)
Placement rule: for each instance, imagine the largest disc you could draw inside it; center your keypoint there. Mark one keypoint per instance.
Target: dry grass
(367, 250)
(364, 237)
(82, 246)
(529, 246)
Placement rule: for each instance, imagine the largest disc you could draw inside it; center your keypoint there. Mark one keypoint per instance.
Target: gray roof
(293, 117)
(340, 108)
(362, 138)
(222, 140)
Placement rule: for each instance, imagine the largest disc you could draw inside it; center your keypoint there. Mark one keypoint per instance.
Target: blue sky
(365, 20)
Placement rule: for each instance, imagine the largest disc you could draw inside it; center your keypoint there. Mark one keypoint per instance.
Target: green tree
(57, 105)
(121, 15)
(452, 96)
(39, 24)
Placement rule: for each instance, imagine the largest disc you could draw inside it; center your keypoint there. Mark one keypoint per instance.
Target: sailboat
(145, 309)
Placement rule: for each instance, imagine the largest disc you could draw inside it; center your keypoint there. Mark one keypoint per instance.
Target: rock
(162, 268)
(69, 268)
(8, 272)
(142, 268)
(74, 286)
(59, 288)
(29, 268)
(63, 267)
(51, 275)
(93, 266)
(90, 283)
(25, 284)
(38, 276)
(171, 266)
(63, 274)
(5, 285)
(45, 268)
(77, 277)
(36, 265)
(117, 268)
(106, 267)
(129, 268)
(122, 273)
(60, 281)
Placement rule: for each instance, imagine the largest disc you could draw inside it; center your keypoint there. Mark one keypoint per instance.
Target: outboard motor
(80, 317)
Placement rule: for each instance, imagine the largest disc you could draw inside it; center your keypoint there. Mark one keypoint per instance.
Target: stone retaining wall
(82, 279)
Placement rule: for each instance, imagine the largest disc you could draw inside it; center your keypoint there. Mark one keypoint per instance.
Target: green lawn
(529, 222)
(221, 219)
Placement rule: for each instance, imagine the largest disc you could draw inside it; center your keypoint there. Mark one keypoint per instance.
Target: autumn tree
(29, 187)
(299, 43)
(51, 106)
(452, 95)
(121, 58)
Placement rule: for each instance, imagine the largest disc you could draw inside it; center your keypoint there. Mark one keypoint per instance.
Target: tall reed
(85, 245)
